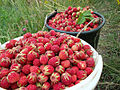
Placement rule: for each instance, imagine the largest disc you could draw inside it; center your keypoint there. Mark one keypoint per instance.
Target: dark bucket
(91, 36)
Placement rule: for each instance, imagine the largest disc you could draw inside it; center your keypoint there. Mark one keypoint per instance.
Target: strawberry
(52, 33)
(13, 42)
(4, 83)
(63, 54)
(70, 51)
(55, 48)
(70, 71)
(60, 69)
(70, 43)
(75, 68)
(65, 63)
(46, 86)
(90, 62)
(55, 77)
(47, 46)
(22, 88)
(41, 50)
(27, 35)
(73, 59)
(54, 61)
(71, 85)
(42, 78)
(39, 44)
(26, 69)
(15, 67)
(66, 78)
(5, 62)
(23, 81)
(4, 72)
(13, 77)
(46, 40)
(80, 55)
(31, 87)
(40, 34)
(35, 69)
(24, 51)
(78, 81)
(75, 48)
(50, 54)
(32, 78)
(48, 70)
(86, 47)
(22, 74)
(14, 86)
(81, 74)
(82, 65)
(9, 46)
(89, 53)
(36, 62)
(63, 47)
(88, 70)
(9, 53)
(58, 86)
(41, 67)
(2, 51)
(32, 55)
(74, 78)
(43, 59)
(21, 58)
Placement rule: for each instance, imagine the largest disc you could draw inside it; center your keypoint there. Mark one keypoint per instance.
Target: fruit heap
(74, 19)
(45, 60)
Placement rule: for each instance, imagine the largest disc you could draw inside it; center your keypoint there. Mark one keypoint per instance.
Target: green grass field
(30, 14)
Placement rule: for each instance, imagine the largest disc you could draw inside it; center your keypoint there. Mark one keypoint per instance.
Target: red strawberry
(32, 55)
(43, 59)
(73, 59)
(32, 78)
(74, 78)
(48, 70)
(30, 47)
(22, 88)
(70, 43)
(80, 45)
(66, 78)
(52, 33)
(75, 68)
(41, 67)
(22, 74)
(2, 51)
(23, 81)
(26, 69)
(27, 35)
(70, 51)
(54, 61)
(82, 65)
(4, 72)
(14, 86)
(41, 50)
(4, 83)
(39, 44)
(75, 48)
(13, 42)
(70, 71)
(78, 81)
(80, 55)
(35, 69)
(63, 55)
(55, 77)
(24, 51)
(60, 69)
(10, 53)
(42, 78)
(47, 46)
(50, 54)
(86, 47)
(65, 63)
(89, 70)
(58, 86)
(21, 58)
(40, 34)
(9, 46)
(15, 67)
(90, 62)
(89, 52)
(46, 86)
(31, 87)
(13, 77)
(81, 74)
(63, 47)
(40, 39)
(5, 62)
(36, 62)
(55, 48)
(71, 85)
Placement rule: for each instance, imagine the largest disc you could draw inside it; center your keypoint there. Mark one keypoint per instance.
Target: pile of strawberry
(74, 19)
(45, 60)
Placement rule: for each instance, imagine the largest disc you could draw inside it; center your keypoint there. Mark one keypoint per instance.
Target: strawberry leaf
(87, 13)
(91, 18)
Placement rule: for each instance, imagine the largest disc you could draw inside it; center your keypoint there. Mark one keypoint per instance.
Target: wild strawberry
(4, 83)
(69, 8)
(39, 44)
(31, 87)
(70, 43)
(63, 47)
(23, 81)
(48, 70)
(30, 47)
(32, 78)
(50, 54)
(22, 74)
(60, 69)
(80, 55)
(66, 78)
(32, 55)
(74, 9)
(56, 42)
(9, 53)
(9, 46)
(71, 85)
(21, 58)
(14, 86)
(78, 81)
(86, 47)
(35, 69)
(36, 62)
(47, 46)
(55, 77)
(46, 86)
(2, 51)
(27, 35)
(82, 65)
(24, 51)
(43, 59)
(13, 42)
(54, 61)
(65, 63)
(89, 52)
(74, 78)
(40, 34)
(42, 78)
(40, 40)
(63, 54)
(75, 48)
(15, 67)
(81, 74)
(41, 50)
(41, 67)
(55, 48)
(13, 77)
(4, 72)
(46, 40)
(58, 86)
(88, 70)
(79, 44)
(90, 62)
(52, 32)
(73, 59)
(75, 68)
(13, 61)
(26, 69)
(70, 71)
(5, 62)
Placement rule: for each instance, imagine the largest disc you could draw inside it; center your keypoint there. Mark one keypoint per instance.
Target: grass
(30, 14)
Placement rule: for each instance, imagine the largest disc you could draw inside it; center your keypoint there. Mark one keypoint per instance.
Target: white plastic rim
(92, 80)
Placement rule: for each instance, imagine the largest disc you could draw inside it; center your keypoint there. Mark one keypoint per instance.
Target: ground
(29, 15)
